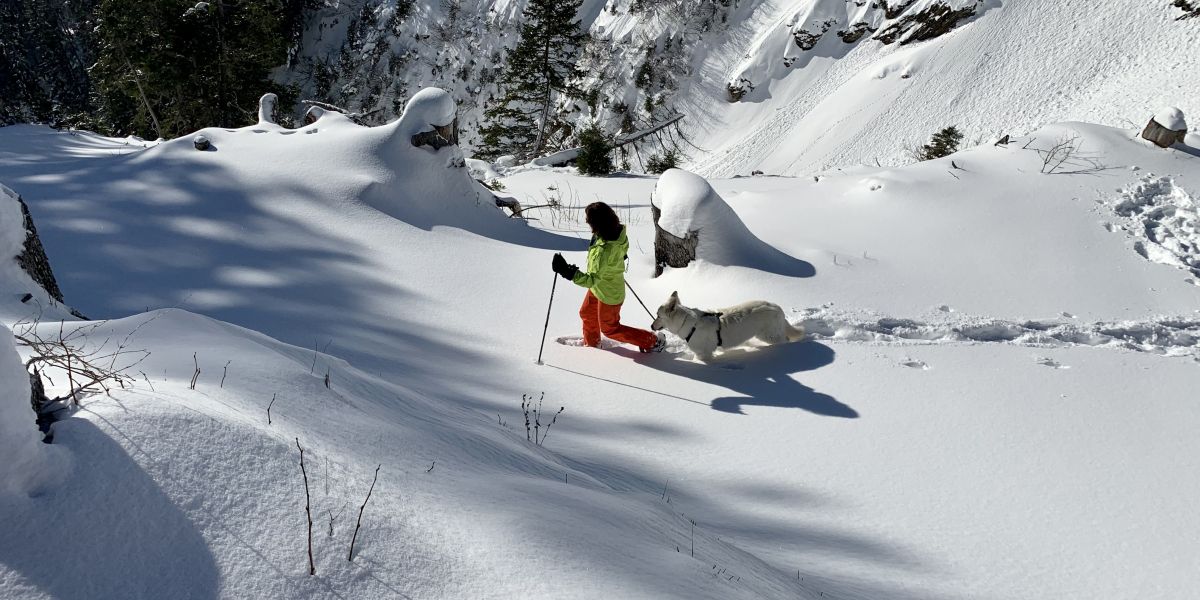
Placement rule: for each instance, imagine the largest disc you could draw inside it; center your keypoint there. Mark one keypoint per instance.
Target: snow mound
(1171, 118)
(688, 205)
(338, 162)
(202, 460)
(28, 464)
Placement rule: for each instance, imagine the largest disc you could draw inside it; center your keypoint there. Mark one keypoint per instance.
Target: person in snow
(605, 282)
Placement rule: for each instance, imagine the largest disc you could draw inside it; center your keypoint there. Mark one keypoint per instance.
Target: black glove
(560, 266)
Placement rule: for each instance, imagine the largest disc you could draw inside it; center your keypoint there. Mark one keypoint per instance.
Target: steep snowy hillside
(993, 401)
(1011, 68)
(785, 87)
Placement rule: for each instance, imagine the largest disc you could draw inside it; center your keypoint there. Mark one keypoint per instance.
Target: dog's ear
(673, 300)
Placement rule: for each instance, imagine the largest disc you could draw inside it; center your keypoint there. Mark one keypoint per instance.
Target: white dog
(704, 331)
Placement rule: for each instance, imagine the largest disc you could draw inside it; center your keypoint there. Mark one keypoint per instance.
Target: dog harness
(688, 337)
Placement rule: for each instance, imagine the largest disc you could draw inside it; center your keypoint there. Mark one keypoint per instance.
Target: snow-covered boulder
(693, 222)
(27, 463)
(1166, 127)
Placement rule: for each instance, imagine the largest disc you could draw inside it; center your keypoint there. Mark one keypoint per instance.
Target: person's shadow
(763, 375)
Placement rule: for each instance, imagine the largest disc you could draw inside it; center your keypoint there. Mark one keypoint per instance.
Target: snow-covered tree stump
(430, 119)
(1166, 127)
(313, 114)
(692, 222)
(266, 108)
(671, 250)
(438, 138)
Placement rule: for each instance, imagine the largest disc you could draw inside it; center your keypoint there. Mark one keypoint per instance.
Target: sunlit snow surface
(996, 399)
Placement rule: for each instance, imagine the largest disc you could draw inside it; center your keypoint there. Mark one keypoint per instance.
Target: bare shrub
(1066, 157)
(88, 367)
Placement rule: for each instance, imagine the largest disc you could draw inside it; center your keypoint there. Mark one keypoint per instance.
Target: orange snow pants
(599, 317)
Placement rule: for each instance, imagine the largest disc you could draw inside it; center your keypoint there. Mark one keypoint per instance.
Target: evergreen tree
(659, 164)
(594, 152)
(944, 143)
(44, 53)
(542, 66)
(167, 67)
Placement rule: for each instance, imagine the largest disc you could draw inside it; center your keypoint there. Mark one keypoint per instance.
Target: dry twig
(350, 556)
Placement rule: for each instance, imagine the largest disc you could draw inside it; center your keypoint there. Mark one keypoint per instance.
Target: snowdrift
(207, 500)
(339, 162)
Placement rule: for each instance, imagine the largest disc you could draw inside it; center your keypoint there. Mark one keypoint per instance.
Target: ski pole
(639, 300)
(547, 326)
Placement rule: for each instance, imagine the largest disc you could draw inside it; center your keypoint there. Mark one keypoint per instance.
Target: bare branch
(350, 556)
(312, 567)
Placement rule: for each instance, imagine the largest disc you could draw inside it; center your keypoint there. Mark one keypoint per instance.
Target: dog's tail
(795, 332)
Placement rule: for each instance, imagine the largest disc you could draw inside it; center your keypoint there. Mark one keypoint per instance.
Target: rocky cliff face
(20, 242)
(33, 259)
(829, 28)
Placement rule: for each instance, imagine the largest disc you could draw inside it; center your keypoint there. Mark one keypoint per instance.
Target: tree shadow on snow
(107, 531)
(763, 375)
(124, 237)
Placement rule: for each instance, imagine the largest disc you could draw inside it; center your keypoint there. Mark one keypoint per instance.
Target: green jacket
(605, 273)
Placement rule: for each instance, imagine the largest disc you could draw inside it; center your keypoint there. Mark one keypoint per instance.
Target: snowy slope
(1014, 67)
(995, 401)
(827, 83)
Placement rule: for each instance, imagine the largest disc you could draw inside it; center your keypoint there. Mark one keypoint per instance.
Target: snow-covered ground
(996, 400)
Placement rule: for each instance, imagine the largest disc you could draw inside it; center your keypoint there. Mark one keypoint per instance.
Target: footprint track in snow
(1164, 221)
(1168, 337)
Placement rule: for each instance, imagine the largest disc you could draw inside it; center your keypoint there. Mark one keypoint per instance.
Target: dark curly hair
(603, 221)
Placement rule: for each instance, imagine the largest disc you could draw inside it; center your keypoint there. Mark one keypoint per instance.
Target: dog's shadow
(763, 375)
